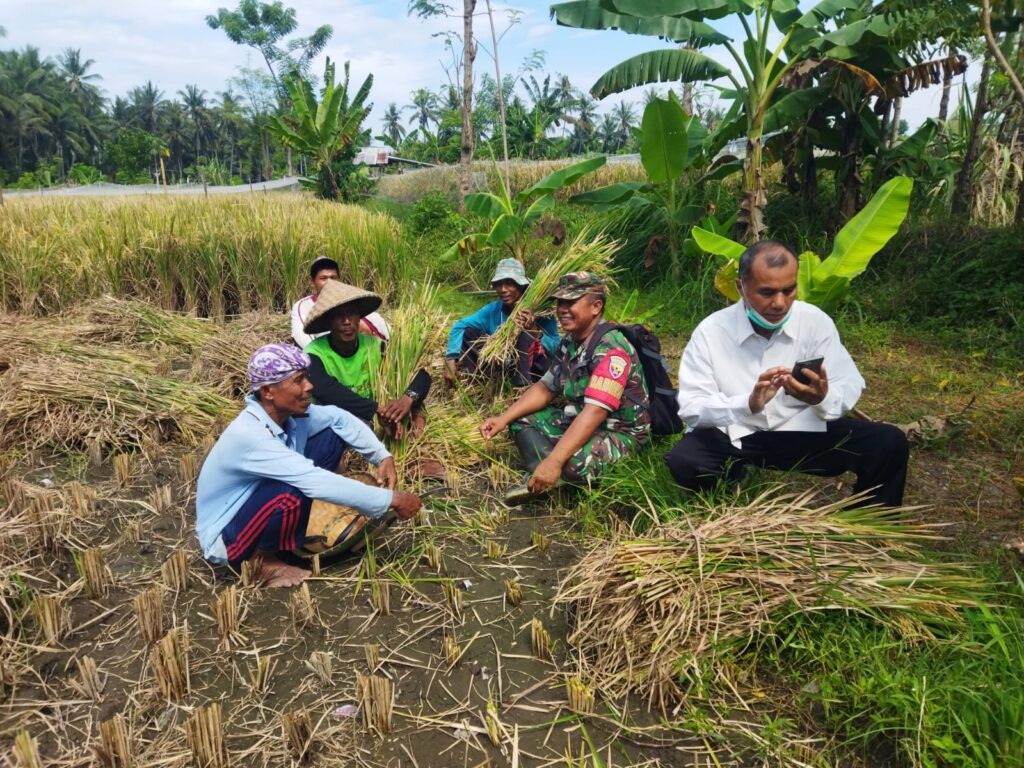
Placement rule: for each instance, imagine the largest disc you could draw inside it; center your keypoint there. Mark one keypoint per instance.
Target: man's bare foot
(275, 573)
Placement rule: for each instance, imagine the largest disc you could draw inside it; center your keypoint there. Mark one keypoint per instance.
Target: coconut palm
(147, 103)
(393, 128)
(194, 102)
(424, 108)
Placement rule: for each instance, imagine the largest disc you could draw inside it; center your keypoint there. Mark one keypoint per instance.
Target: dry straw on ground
(650, 610)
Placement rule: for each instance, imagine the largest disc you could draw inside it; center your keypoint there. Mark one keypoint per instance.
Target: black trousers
(530, 364)
(876, 452)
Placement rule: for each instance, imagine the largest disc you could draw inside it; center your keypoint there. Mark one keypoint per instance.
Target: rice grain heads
(651, 613)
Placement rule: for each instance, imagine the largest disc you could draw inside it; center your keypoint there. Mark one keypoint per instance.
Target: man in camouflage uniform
(605, 415)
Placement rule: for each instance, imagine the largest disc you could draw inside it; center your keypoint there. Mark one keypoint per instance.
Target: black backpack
(664, 408)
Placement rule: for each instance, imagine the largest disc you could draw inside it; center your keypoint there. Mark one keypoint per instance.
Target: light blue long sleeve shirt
(254, 448)
(488, 318)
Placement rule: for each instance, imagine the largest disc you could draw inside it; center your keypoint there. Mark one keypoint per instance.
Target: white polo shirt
(725, 356)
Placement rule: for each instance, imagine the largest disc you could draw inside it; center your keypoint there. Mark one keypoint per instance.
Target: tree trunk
(947, 86)
(501, 98)
(848, 179)
(963, 192)
(468, 55)
(894, 129)
(750, 219)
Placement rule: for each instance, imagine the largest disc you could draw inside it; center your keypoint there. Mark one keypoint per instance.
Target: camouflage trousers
(603, 449)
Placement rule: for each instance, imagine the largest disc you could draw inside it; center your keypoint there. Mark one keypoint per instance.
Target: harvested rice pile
(652, 612)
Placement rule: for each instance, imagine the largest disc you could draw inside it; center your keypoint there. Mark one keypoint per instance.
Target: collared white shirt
(300, 313)
(725, 356)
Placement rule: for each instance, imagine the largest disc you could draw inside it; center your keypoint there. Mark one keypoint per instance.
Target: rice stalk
(580, 696)
(149, 614)
(225, 609)
(132, 532)
(26, 751)
(188, 468)
(250, 575)
(205, 736)
(372, 652)
(92, 567)
(495, 728)
(493, 550)
(513, 592)
(453, 596)
(647, 610)
(587, 253)
(174, 571)
(170, 663)
(432, 554)
(89, 683)
(115, 747)
(376, 700)
(540, 541)
(78, 498)
(540, 640)
(380, 596)
(303, 607)
(314, 565)
(261, 674)
(52, 616)
(124, 467)
(94, 447)
(160, 499)
(46, 523)
(321, 665)
(297, 734)
(452, 650)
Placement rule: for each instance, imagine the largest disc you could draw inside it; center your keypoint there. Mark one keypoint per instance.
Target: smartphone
(807, 365)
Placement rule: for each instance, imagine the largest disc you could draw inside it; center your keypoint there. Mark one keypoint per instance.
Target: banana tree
(826, 282)
(512, 219)
(670, 143)
(327, 131)
(829, 28)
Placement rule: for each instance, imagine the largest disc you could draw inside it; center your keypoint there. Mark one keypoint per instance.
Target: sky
(169, 43)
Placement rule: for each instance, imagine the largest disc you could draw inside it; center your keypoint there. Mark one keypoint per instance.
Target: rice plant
(52, 616)
(453, 596)
(451, 650)
(540, 640)
(26, 750)
(580, 696)
(262, 673)
(380, 596)
(89, 682)
(303, 607)
(540, 541)
(513, 592)
(225, 609)
(372, 653)
(124, 467)
(495, 729)
(92, 567)
(174, 571)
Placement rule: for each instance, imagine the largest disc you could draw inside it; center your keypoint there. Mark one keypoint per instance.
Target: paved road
(105, 189)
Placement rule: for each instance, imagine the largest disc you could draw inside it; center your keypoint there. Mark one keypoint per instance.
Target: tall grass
(211, 257)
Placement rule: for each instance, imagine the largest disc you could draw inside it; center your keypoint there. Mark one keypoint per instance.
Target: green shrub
(434, 211)
(80, 173)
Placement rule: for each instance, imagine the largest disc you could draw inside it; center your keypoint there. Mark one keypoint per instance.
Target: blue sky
(169, 43)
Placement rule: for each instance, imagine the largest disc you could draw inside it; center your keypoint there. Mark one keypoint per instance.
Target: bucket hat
(510, 269)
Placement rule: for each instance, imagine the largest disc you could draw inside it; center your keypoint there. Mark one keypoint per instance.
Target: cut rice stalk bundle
(540, 640)
(493, 550)
(124, 467)
(174, 571)
(26, 751)
(226, 612)
(205, 735)
(188, 468)
(169, 661)
(52, 616)
(92, 567)
(149, 614)
(540, 541)
(580, 696)
(78, 498)
(432, 554)
(261, 674)
(115, 747)
(128, 321)
(303, 607)
(251, 575)
(380, 596)
(513, 592)
(495, 729)
(297, 734)
(46, 523)
(321, 665)
(453, 596)
(161, 500)
(222, 360)
(372, 652)
(587, 253)
(376, 700)
(645, 609)
(452, 650)
(89, 682)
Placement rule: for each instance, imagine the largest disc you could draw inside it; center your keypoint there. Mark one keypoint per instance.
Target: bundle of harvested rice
(587, 253)
(221, 361)
(116, 400)
(650, 613)
(417, 328)
(138, 322)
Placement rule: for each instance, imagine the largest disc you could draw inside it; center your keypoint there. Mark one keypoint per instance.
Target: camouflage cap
(576, 284)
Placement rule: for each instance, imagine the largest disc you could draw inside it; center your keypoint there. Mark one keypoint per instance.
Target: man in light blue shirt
(535, 345)
(257, 485)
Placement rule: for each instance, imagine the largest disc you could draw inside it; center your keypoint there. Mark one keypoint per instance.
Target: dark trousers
(274, 517)
(531, 361)
(876, 452)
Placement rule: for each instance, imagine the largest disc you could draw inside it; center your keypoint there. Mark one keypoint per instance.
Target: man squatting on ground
(742, 404)
(606, 412)
(279, 454)
(320, 271)
(535, 344)
(345, 360)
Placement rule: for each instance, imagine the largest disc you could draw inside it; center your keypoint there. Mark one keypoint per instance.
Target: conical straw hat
(333, 295)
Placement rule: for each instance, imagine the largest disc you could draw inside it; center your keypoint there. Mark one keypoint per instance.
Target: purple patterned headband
(275, 363)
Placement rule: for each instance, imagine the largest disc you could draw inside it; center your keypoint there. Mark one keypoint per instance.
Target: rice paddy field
(626, 625)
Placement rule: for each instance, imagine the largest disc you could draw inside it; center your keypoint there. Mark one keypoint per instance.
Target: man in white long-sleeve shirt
(275, 459)
(742, 404)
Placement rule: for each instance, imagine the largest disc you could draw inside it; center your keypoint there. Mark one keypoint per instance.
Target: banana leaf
(664, 145)
(717, 244)
(673, 66)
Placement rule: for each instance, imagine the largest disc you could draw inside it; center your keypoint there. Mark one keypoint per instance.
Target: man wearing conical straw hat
(606, 415)
(345, 360)
(271, 471)
(321, 270)
(535, 343)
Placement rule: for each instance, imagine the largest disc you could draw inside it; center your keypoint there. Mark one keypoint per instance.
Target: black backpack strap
(595, 338)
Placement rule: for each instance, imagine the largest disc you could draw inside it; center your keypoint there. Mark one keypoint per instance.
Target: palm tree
(625, 119)
(229, 124)
(147, 103)
(76, 74)
(609, 134)
(194, 101)
(424, 108)
(393, 128)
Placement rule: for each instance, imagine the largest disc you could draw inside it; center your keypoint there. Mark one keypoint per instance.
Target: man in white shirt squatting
(321, 270)
(258, 484)
(743, 403)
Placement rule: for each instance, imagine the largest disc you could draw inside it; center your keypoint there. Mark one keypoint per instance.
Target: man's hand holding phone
(808, 382)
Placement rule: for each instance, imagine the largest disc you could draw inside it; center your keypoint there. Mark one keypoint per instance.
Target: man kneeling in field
(606, 412)
(259, 483)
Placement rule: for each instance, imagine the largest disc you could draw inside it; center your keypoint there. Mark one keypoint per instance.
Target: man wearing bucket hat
(345, 360)
(273, 465)
(606, 413)
(534, 346)
(321, 270)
